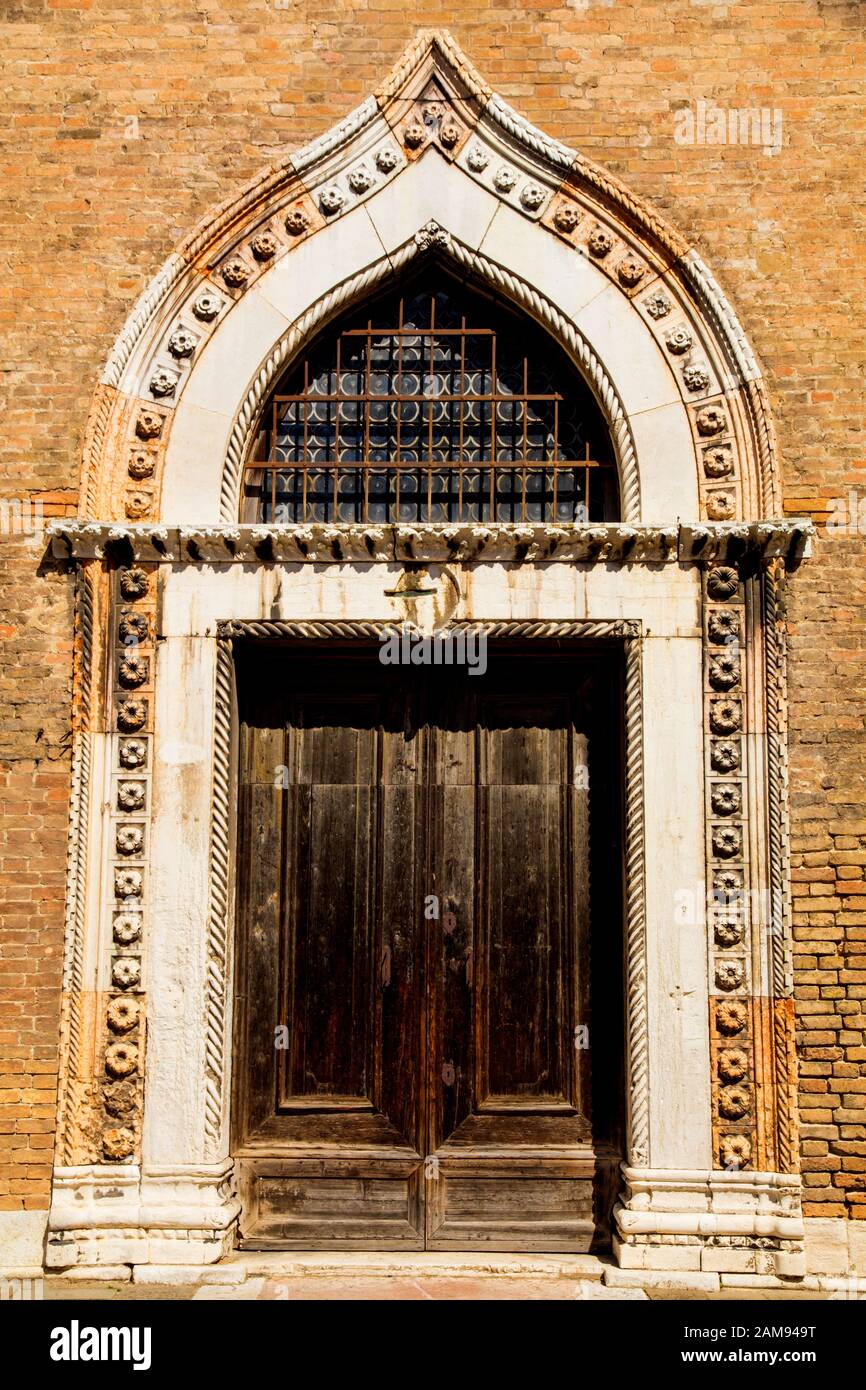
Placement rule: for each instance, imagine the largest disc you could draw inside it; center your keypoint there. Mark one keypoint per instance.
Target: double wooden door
(428, 1018)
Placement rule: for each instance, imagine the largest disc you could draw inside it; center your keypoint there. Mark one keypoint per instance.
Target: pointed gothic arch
(433, 156)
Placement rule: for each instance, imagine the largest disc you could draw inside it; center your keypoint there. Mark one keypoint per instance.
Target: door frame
(258, 1162)
(627, 633)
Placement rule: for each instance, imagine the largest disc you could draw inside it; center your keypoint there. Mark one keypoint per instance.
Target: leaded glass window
(432, 404)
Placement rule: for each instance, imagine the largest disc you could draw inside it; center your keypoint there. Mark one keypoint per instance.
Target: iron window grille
(432, 404)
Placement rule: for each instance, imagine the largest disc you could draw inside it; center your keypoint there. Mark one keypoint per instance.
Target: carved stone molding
(749, 545)
(733, 1220)
(131, 657)
(72, 1059)
(781, 965)
(630, 633)
(218, 953)
(637, 1007)
(729, 915)
(509, 628)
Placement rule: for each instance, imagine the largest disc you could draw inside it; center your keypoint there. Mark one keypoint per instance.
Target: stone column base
(717, 1222)
(129, 1216)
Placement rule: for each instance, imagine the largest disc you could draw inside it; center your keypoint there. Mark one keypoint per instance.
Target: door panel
(335, 1156)
(517, 1171)
(414, 912)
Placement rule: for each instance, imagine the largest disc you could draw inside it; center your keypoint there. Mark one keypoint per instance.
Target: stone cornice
(751, 544)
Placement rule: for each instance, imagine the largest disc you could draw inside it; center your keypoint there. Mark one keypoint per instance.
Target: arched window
(432, 403)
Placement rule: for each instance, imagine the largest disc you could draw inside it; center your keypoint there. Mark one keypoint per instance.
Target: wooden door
(415, 976)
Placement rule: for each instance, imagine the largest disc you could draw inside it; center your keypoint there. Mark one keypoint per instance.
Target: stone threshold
(596, 1273)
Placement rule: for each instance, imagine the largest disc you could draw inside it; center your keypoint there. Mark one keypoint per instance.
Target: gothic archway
(433, 167)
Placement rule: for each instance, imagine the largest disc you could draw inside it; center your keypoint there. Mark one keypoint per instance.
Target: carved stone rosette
(133, 616)
(729, 915)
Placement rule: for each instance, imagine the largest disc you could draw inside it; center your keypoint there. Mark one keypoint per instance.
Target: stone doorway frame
(157, 552)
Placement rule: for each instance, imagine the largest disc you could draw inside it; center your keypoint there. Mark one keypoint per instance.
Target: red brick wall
(121, 125)
(35, 647)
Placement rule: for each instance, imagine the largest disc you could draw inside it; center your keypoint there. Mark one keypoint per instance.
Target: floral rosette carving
(735, 1151)
(630, 271)
(728, 884)
(163, 382)
(725, 798)
(729, 975)
(133, 670)
(138, 504)
(696, 377)
(126, 972)
(296, 221)
(126, 928)
(724, 626)
(731, 1016)
(711, 420)
(449, 134)
(725, 716)
(567, 218)
(721, 506)
(133, 628)
(264, 246)
(724, 672)
(724, 755)
(722, 583)
(121, 1059)
(142, 464)
(131, 715)
(331, 200)
(132, 751)
(599, 243)
(732, 1064)
(477, 159)
(727, 933)
(129, 839)
(130, 796)
(532, 195)
(718, 462)
(727, 841)
(361, 179)
(148, 424)
(128, 883)
(133, 583)
(235, 273)
(123, 1014)
(678, 341)
(414, 135)
(734, 1102)
(206, 306)
(657, 305)
(182, 343)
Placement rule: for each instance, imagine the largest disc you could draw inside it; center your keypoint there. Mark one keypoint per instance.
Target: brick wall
(35, 649)
(122, 124)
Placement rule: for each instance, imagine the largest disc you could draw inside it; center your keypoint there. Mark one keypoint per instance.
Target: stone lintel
(747, 544)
